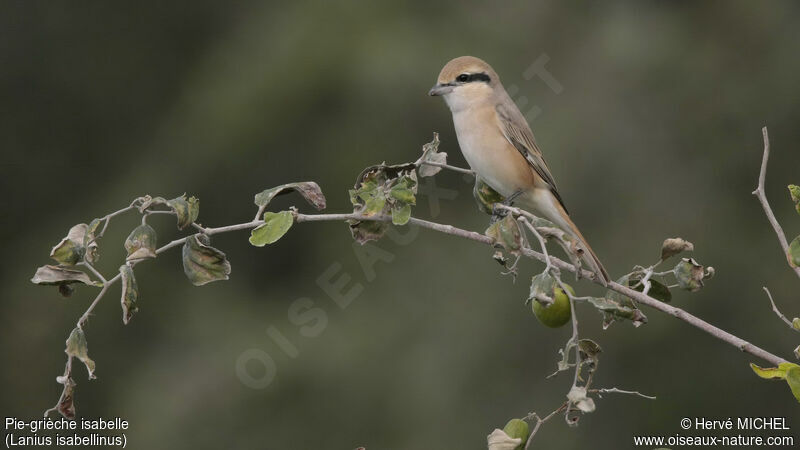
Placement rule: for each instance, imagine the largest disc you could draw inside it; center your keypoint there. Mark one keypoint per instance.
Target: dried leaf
(71, 249)
(673, 246)
(365, 231)
(589, 349)
(506, 233)
(577, 396)
(61, 277)
(430, 153)
(689, 274)
(66, 403)
(141, 243)
(308, 189)
(203, 264)
(130, 293)
(79, 348)
(186, 209)
(275, 226)
(90, 241)
(151, 201)
(499, 440)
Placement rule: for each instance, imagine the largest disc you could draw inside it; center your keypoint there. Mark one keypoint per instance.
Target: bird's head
(464, 81)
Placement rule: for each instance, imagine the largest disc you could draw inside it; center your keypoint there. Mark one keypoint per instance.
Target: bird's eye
(463, 78)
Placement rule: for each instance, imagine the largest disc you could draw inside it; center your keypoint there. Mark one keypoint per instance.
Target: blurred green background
(655, 134)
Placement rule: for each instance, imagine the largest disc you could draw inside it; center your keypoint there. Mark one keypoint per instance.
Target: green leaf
(673, 246)
(202, 263)
(374, 206)
(308, 189)
(794, 192)
(621, 299)
(141, 243)
(793, 255)
(773, 372)
(785, 371)
(613, 310)
(71, 249)
(793, 379)
(542, 287)
(797, 352)
(485, 196)
(79, 348)
(61, 277)
(657, 290)
(430, 153)
(130, 293)
(689, 274)
(403, 194)
(796, 323)
(401, 216)
(505, 232)
(275, 226)
(186, 209)
(517, 429)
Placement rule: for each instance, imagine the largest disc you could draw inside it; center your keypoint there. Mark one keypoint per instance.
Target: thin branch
(778, 312)
(701, 324)
(762, 197)
(446, 166)
(94, 271)
(540, 421)
(620, 391)
(97, 299)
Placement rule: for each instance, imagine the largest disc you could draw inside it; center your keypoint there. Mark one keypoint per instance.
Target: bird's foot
(499, 213)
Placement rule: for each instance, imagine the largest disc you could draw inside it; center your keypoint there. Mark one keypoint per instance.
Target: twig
(94, 271)
(762, 197)
(97, 299)
(540, 421)
(620, 391)
(778, 312)
(723, 335)
(446, 166)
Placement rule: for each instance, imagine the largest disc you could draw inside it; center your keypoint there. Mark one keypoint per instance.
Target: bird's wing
(518, 133)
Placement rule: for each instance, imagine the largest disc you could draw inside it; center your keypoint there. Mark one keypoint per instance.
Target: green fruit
(517, 428)
(558, 313)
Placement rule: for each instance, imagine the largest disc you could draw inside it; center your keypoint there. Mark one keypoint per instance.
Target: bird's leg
(499, 213)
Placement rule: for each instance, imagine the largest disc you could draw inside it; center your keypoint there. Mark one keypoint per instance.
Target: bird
(499, 146)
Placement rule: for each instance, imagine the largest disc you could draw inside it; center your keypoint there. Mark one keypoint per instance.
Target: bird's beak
(441, 89)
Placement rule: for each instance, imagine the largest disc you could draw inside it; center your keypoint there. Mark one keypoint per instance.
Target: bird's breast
(490, 154)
